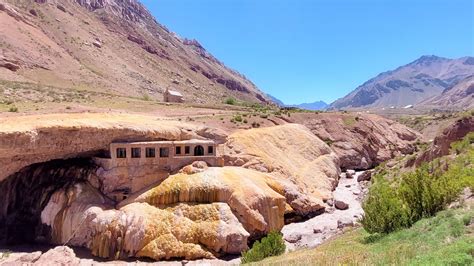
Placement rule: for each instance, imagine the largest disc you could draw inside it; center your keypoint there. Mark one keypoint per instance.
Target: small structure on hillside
(172, 96)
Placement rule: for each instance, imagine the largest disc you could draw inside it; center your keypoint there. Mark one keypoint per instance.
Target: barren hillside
(114, 47)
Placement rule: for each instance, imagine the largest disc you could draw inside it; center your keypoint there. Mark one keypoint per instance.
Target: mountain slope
(113, 46)
(415, 82)
(460, 96)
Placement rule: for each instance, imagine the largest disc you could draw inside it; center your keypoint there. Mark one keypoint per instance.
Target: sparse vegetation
(271, 245)
(146, 97)
(230, 101)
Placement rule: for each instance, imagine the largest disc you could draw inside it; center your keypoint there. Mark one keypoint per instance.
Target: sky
(309, 50)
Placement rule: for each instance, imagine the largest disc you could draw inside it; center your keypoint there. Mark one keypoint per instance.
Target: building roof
(175, 93)
(176, 142)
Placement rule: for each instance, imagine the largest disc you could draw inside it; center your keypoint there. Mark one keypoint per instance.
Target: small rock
(33, 12)
(350, 173)
(317, 231)
(60, 7)
(293, 238)
(97, 44)
(341, 205)
(330, 202)
(365, 176)
(344, 222)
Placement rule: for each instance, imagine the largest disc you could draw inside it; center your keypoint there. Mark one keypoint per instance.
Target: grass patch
(440, 240)
(349, 121)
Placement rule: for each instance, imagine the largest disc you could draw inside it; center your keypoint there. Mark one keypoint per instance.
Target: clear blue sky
(308, 50)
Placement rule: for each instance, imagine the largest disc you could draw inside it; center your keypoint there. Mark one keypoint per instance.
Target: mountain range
(425, 81)
(110, 46)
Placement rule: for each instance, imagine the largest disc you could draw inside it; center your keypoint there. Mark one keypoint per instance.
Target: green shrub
(13, 109)
(419, 194)
(238, 118)
(230, 101)
(271, 245)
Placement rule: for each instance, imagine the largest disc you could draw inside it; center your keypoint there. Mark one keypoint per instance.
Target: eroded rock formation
(291, 153)
(361, 141)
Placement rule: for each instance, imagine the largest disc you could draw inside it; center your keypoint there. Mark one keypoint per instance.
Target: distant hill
(112, 46)
(315, 106)
(424, 78)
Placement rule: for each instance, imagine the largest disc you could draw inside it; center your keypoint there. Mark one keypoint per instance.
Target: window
(198, 151)
(164, 152)
(150, 152)
(136, 152)
(210, 149)
(187, 150)
(178, 150)
(121, 153)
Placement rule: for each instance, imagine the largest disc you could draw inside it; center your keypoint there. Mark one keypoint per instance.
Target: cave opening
(24, 195)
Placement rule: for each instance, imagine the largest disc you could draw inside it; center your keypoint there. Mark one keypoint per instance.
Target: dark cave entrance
(24, 195)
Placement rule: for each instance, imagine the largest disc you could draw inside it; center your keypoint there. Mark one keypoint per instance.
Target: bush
(238, 118)
(271, 245)
(230, 101)
(13, 109)
(418, 194)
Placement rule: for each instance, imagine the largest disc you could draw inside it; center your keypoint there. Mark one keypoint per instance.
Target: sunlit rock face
(248, 193)
(293, 155)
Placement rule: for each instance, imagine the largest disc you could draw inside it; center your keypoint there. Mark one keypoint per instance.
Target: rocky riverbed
(345, 210)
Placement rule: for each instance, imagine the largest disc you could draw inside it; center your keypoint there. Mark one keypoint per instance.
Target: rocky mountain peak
(426, 60)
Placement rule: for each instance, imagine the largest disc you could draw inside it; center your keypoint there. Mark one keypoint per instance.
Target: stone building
(133, 166)
(171, 96)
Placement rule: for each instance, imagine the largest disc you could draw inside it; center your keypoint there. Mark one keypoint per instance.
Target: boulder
(344, 222)
(58, 256)
(341, 205)
(350, 173)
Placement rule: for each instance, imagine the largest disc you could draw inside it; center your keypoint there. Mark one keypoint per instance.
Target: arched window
(199, 151)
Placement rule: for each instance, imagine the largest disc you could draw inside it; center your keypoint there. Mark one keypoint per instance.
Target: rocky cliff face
(360, 141)
(442, 143)
(410, 84)
(113, 46)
